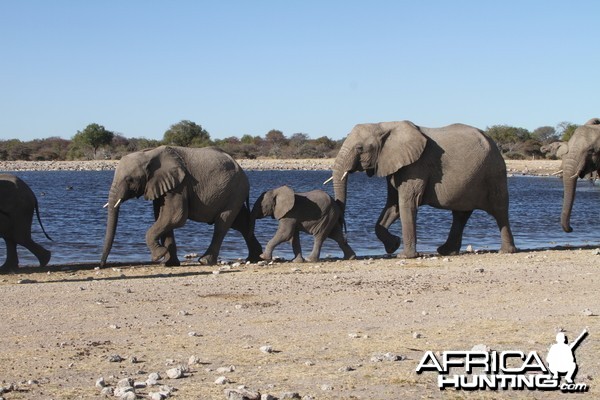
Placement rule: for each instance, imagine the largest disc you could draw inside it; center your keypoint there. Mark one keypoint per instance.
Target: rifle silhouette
(576, 342)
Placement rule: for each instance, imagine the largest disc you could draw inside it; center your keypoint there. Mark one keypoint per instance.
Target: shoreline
(513, 167)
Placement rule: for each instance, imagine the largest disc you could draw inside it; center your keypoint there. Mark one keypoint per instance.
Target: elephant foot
(508, 249)
(44, 258)
(159, 253)
(254, 257)
(392, 245)
(208, 259)
(265, 256)
(172, 262)
(408, 254)
(300, 259)
(448, 250)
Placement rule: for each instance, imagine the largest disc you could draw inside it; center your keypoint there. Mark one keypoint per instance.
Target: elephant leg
(167, 240)
(506, 236)
(41, 253)
(408, 218)
(12, 259)
(296, 247)
(316, 251)
(454, 241)
(222, 225)
(338, 235)
(285, 232)
(388, 215)
(172, 214)
(242, 225)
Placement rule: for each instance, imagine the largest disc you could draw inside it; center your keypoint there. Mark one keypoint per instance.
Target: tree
(275, 137)
(507, 137)
(93, 135)
(187, 134)
(565, 129)
(545, 134)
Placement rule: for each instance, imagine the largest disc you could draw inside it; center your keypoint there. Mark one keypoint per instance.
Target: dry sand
(326, 322)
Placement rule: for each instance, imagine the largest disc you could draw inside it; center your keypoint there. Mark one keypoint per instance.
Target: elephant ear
(562, 150)
(402, 144)
(284, 201)
(165, 172)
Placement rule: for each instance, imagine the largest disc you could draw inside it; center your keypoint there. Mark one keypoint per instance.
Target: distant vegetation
(96, 142)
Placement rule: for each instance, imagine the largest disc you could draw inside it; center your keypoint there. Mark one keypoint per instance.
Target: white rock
(221, 381)
(174, 373)
(224, 370)
(267, 349)
(100, 383)
(480, 347)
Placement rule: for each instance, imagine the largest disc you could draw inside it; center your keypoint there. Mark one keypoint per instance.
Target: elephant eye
(359, 148)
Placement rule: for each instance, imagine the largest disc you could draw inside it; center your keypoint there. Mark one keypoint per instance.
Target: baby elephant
(17, 205)
(314, 212)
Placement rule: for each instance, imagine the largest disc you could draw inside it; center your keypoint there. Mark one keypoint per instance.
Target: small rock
(156, 396)
(446, 259)
(326, 387)
(588, 313)
(174, 373)
(224, 370)
(307, 397)
(267, 397)
(128, 396)
(236, 265)
(469, 249)
(347, 368)
(191, 255)
(267, 349)
(481, 347)
(115, 358)
(408, 301)
(125, 383)
(353, 335)
(24, 281)
(309, 363)
(184, 313)
(417, 335)
(194, 334)
(193, 360)
(290, 395)
(100, 383)
(393, 357)
(221, 381)
(166, 390)
(217, 272)
(121, 391)
(139, 385)
(241, 394)
(133, 359)
(480, 270)
(596, 252)
(107, 391)
(154, 376)
(424, 312)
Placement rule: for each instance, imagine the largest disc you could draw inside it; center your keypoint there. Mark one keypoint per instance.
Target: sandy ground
(326, 323)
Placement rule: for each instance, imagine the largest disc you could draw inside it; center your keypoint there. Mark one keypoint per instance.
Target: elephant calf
(17, 204)
(314, 212)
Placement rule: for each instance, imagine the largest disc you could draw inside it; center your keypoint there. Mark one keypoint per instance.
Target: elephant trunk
(571, 170)
(111, 224)
(342, 166)
(255, 214)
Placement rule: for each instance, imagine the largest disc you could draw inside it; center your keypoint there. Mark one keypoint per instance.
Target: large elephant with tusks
(204, 185)
(456, 167)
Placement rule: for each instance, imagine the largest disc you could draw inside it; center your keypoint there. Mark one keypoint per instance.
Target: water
(76, 221)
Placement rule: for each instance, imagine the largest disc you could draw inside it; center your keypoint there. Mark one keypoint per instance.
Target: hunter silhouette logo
(511, 369)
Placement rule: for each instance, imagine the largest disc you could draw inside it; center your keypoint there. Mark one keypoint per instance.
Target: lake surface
(71, 210)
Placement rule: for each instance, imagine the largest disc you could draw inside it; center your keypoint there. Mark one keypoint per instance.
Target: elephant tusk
(117, 203)
(344, 176)
(558, 172)
(328, 180)
(104, 206)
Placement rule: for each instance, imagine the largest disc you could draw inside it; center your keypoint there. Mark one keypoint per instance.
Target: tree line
(97, 142)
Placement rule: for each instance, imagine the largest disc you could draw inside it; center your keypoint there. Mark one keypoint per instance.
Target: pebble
(480, 270)
(224, 370)
(115, 358)
(107, 391)
(24, 281)
(166, 390)
(121, 391)
(309, 363)
(128, 396)
(289, 395)
(267, 397)
(326, 387)
(156, 396)
(221, 381)
(193, 360)
(236, 265)
(241, 394)
(125, 383)
(100, 383)
(267, 349)
(193, 334)
(353, 335)
(469, 249)
(480, 347)
(387, 357)
(139, 385)
(588, 313)
(417, 335)
(347, 368)
(174, 373)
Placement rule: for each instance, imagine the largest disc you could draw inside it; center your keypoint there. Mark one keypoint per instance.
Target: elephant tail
(37, 212)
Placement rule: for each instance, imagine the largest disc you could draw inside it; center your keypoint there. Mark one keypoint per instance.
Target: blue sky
(317, 67)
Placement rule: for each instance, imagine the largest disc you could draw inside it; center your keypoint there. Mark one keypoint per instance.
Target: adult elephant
(582, 158)
(200, 184)
(456, 167)
(17, 205)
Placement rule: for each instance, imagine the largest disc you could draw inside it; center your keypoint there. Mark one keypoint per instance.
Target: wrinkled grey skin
(456, 168)
(314, 212)
(581, 159)
(203, 185)
(17, 204)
